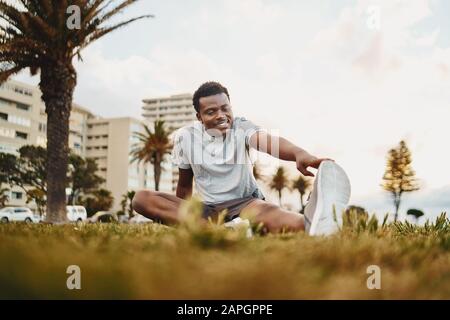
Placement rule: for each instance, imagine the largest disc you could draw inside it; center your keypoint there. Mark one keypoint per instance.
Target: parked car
(103, 216)
(76, 213)
(24, 214)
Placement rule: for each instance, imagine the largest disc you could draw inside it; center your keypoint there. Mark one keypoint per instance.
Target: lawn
(151, 261)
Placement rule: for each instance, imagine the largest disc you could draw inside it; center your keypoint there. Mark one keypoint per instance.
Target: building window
(4, 101)
(21, 135)
(76, 145)
(4, 116)
(42, 127)
(20, 121)
(16, 195)
(22, 106)
(23, 91)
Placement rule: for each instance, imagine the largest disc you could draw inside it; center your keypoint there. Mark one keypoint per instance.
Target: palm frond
(98, 33)
(33, 33)
(5, 74)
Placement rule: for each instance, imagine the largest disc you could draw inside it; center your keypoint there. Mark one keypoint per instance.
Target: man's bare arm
(285, 150)
(184, 186)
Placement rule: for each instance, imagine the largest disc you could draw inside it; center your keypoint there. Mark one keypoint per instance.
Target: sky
(342, 79)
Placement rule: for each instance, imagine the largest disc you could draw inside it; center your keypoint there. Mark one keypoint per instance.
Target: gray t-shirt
(222, 166)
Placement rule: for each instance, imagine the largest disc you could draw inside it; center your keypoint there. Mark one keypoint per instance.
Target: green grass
(152, 261)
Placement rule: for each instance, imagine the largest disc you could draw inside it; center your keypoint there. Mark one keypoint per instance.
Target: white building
(109, 142)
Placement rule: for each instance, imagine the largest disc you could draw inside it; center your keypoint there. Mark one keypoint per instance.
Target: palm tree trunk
(279, 196)
(157, 173)
(302, 205)
(397, 205)
(71, 198)
(57, 84)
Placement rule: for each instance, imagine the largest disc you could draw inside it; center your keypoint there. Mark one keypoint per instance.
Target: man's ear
(198, 117)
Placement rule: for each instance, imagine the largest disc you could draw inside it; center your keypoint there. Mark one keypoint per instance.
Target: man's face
(215, 113)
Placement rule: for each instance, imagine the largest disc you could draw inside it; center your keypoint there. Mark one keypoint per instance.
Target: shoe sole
(333, 194)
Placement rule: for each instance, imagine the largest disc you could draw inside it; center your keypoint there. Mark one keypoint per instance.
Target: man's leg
(274, 218)
(157, 205)
(162, 206)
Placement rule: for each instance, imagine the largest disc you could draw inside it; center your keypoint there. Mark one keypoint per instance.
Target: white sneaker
(240, 223)
(329, 198)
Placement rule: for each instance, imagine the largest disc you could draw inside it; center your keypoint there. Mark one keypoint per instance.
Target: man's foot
(237, 223)
(329, 198)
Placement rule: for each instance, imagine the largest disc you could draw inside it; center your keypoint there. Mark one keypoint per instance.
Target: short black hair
(207, 89)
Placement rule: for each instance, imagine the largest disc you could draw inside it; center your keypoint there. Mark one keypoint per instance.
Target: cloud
(427, 40)
(113, 87)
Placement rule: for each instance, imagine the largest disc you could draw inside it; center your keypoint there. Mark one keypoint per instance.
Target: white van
(9, 214)
(76, 213)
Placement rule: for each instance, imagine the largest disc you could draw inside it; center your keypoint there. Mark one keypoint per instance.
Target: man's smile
(223, 124)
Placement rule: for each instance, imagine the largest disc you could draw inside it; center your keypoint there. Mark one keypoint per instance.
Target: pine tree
(399, 176)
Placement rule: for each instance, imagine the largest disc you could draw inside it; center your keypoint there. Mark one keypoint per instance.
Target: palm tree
(279, 181)
(152, 147)
(302, 184)
(35, 34)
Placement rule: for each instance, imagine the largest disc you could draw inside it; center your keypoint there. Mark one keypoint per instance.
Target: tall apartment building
(20, 116)
(78, 129)
(176, 111)
(23, 122)
(109, 142)
(23, 119)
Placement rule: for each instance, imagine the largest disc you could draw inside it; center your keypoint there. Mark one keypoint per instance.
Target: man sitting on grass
(215, 152)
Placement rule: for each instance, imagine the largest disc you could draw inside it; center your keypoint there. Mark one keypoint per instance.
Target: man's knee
(276, 219)
(142, 198)
(265, 214)
(295, 223)
(263, 208)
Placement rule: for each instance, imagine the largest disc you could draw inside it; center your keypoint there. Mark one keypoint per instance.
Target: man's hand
(305, 160)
